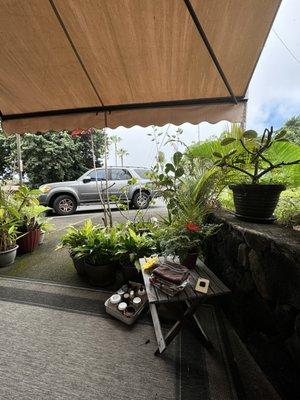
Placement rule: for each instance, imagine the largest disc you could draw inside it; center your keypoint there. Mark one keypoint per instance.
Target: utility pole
(19, 157)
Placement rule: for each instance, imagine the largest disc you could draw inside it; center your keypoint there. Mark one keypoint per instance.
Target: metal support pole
(209, 48)
(244, 121)
(19, 157)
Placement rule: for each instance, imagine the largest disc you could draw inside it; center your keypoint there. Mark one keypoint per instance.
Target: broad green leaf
(179, 172)
(177, 157)
(169, 167)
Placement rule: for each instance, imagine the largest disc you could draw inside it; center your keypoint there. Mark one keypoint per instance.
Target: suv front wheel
(65, 205)
(141, 200)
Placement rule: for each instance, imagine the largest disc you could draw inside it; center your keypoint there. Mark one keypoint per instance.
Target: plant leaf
(230, 153)
(169, 167)
(179, 172)
(177, 157)
(217, 154)
(281, 134)
(227, 141)
(250, 134)
(282, 140)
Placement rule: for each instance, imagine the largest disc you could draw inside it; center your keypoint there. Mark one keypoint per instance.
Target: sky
(274, 93)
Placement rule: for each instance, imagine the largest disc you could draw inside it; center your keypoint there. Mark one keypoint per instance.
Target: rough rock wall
(261, 265)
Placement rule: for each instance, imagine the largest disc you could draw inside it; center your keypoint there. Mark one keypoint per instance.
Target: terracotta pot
(29, 242)
(256, 203)
(190, 261)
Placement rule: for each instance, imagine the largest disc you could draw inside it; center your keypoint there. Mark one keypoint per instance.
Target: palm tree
(122, 153)
(115, 139)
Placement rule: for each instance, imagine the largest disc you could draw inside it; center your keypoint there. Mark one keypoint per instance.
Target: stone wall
(261, 265)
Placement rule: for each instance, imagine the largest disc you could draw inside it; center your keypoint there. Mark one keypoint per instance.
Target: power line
(286, 46)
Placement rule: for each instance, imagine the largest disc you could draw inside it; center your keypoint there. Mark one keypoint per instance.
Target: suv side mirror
(86, 180)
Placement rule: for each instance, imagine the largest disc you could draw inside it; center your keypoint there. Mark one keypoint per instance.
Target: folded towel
(171, 272)
(166, 287)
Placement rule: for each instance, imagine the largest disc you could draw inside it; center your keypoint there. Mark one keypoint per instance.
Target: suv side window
(120, 175)
(100, 175)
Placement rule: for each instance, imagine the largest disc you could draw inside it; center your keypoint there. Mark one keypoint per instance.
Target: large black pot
(256, 203)
(130, 273)
(79, 265)
(100, 275)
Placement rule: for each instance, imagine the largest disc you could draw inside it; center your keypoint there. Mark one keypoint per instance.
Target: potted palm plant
(189, 197)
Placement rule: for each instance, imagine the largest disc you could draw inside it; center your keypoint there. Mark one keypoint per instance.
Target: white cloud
(274, 93)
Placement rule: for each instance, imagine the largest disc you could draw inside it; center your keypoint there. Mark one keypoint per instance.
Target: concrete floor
(50, 265)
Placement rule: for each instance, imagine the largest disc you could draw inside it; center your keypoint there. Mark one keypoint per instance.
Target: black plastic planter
(256, 203)
(79, 265)
(100, 275)
(130, 273)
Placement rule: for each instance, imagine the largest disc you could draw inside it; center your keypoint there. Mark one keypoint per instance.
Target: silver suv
(65, 197)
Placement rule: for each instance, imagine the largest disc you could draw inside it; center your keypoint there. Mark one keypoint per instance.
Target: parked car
(65, 197)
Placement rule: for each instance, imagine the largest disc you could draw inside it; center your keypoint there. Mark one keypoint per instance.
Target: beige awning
(68, 64)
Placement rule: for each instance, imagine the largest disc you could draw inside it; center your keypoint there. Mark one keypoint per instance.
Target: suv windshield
(143, 173)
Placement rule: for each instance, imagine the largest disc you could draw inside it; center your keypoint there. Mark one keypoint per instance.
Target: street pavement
(95, 213)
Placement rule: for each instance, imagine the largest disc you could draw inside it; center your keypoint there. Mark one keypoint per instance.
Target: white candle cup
(115, 299)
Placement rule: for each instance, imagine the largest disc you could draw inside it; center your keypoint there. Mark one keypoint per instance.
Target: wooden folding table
(189, 296)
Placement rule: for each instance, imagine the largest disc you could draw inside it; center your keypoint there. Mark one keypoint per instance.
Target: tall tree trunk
(116, 154)
(106, 179)
(99, 190)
